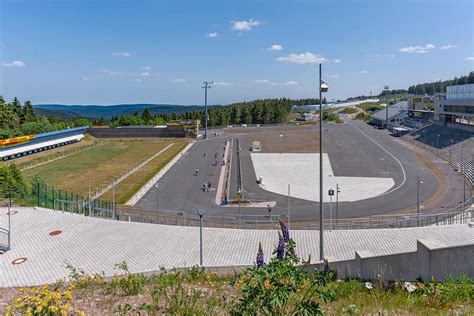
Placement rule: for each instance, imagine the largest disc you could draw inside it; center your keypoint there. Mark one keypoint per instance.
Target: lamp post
(386, 106)
(337, 203)
(463, 174)
(201, 212)
(418, 182)
(289, 206)
(207, 85)
(323, 87)
(157, 201)
(437, 144)
(9, 221)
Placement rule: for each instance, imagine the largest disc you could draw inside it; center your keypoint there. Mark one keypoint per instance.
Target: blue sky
(109, 52)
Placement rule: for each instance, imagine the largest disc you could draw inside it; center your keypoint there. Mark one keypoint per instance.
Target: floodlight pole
(321, 251)
(207, 85)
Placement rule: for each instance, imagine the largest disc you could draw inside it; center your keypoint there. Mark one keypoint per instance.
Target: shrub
(284, 285)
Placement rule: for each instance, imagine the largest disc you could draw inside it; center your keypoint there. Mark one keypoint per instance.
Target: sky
(112, 52)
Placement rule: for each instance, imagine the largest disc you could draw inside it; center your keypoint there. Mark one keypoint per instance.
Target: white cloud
(14, 64)
(223, 83)
(262, 81)
(146, 68)
(363, 72)
(470, 58)
(448, 46)
(334, 76)
(123, 54)
(291, 83)
(336, 60)
(145, 73)
(138, 80)
(275, 47)
(179, 80)
(305, 58)
(212, 34)
(158, 75)
(244, 25)
(417, 49)
(85, 78)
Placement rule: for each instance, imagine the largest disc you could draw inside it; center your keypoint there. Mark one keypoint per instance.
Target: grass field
(100, 163)
(128, 187)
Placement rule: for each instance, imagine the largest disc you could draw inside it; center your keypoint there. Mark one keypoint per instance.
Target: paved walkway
(96, 245)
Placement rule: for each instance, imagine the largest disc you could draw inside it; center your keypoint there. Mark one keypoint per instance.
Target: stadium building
(457, 110)
(16, 147)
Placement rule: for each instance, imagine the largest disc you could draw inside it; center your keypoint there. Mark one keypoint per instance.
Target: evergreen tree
(28, 113)
(146, 117)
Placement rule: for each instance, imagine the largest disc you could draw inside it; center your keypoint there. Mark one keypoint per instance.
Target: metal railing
(461, 214)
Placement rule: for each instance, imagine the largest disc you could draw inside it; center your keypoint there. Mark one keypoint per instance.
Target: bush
(283, 286)
(348, 110)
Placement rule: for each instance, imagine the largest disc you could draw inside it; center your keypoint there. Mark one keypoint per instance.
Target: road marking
(396, 159)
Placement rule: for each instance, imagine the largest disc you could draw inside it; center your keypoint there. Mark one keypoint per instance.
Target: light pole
(288, 206)
(207, 85)
(157, 201)
(323, 87)
(418, 182)
(337, 203)
(386, 106)
(113, 199)
(330, 193)
(201, 212)
(463, 174)
(9, 221)
(437, 144)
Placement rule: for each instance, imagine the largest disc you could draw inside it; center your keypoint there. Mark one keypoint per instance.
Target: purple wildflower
(285, 232)
(260, 259)
(281, 247)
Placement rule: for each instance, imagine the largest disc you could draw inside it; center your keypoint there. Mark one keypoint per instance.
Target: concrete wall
(431, 259)
(137, 132)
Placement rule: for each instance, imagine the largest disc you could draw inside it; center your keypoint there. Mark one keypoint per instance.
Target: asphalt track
(355, 149)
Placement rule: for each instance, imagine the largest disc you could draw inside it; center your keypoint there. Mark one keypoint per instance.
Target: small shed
(256, 146)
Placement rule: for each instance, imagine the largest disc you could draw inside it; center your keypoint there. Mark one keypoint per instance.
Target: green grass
(348, 110)
(197, 292)
(132, 184)
(370, 106)
(100, 163)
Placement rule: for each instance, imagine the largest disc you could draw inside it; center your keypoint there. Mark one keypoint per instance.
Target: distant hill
(107, 111)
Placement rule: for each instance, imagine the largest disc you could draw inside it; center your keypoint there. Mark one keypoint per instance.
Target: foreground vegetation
(282, 286)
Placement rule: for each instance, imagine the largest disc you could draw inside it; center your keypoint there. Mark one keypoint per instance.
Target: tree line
(440, 86)
(18, 119)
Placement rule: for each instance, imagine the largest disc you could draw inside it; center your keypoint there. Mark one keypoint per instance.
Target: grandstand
(455, 145)
(30, 144)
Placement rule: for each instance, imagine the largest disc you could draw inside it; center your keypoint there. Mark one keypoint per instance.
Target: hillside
(97, 111)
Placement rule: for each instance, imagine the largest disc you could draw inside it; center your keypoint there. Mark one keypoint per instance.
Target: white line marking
(396, 159)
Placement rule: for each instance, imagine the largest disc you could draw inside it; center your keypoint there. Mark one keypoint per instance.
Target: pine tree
(146, 115)
(27, 113)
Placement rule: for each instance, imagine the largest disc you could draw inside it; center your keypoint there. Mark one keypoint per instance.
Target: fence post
(53, 196)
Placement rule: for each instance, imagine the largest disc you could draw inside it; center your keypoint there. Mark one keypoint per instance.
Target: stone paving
(301, 171)
(96, 245)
